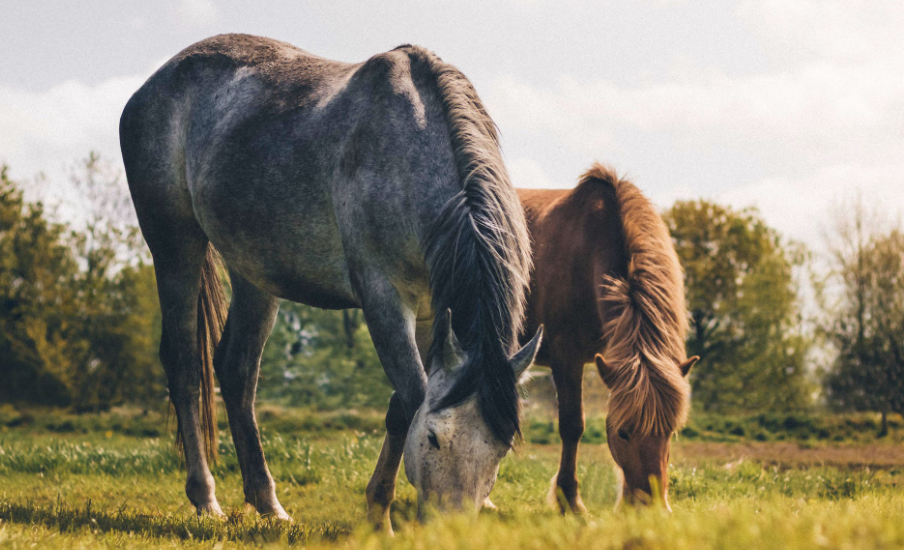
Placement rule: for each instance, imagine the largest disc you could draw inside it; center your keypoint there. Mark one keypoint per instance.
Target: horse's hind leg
(568, 377)
(155, 168)
(237, 362)
(178, 261)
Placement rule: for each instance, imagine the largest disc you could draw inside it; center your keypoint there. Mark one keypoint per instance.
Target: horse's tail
(644, 315)
(478, 253)
(212, 309)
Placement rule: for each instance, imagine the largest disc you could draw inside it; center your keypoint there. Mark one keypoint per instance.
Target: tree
(79, 320)
(746, 324)
(36, 299)
(323, 359)
(864, 305)
(115, 290)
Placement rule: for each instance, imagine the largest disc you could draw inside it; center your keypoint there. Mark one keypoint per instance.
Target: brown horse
(607, 279)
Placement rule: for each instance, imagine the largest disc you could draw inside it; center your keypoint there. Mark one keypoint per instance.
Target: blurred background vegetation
(778, 327)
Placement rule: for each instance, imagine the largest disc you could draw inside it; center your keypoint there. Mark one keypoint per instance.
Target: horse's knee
(183, 388)
(380, 492)
(403, 405)
(397, 421)
(571, 428)
(177, 364)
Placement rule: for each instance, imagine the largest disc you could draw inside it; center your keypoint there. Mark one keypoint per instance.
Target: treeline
(80, 322)
(78, 309)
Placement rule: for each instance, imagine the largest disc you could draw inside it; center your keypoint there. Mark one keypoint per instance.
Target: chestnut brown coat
(607, 281)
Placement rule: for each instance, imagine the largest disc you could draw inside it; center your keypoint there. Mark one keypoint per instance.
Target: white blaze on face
(451, 456)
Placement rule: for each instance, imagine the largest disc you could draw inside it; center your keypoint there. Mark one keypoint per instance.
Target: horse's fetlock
(260, 491)
(200, 489)
(380, 493)
(569, 486)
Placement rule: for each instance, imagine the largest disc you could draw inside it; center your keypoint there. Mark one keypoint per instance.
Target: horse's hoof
(280, 515)
(211, 511)
(383, 526)
(577, 506)
(488, 505)
(557, 500)
(271, 512)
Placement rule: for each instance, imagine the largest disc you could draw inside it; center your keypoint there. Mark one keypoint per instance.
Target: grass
(113, 481)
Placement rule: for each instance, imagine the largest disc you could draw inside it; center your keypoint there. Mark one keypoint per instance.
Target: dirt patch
(792, 455)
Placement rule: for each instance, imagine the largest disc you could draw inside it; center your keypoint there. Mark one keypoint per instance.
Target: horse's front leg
(391, 321)
(381, 487)
(568, 376)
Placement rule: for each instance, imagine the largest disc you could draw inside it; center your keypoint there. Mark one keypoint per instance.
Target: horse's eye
(431, 438)
(624, 435)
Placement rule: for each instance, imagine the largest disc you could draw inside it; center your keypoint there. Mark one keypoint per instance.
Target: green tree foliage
(36, 301)
(324, 359)
(116, 293)
(80, 321)
(865, 321)
(78, 308)
(742, 297)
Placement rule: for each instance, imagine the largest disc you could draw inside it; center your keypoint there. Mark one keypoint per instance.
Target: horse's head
(451, 454)
(642, 455)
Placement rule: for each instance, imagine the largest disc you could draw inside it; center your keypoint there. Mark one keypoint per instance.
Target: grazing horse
(376, 185)
(607, 279)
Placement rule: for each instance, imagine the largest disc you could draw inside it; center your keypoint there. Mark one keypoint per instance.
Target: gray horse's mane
(645, 318)
(478, 252)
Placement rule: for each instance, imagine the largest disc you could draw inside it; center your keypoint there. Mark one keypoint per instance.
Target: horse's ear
(526, 355)
(606, 372)
(686, 366)
(453, 356)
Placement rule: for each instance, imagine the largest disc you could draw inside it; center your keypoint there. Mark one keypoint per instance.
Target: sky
(795, 107)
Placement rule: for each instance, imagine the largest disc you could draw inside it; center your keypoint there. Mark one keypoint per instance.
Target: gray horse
(376, 185)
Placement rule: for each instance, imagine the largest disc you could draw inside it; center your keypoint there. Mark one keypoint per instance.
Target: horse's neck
(576, 242)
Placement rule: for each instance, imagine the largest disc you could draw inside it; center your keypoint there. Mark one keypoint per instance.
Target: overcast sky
(787, 105)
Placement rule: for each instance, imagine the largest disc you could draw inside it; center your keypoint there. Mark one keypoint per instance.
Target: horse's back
(277, 153)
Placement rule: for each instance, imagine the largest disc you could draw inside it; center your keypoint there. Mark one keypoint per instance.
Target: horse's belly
(317, 276)
(293, 252)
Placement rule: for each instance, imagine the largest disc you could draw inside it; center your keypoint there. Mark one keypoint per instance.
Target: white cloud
(197, 12)
(791, 140)
(526, 172)
(802, 207)
(840, 30)
(820, 112)
(47, 131)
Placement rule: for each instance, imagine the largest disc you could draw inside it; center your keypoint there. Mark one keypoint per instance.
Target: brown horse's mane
(644, 319)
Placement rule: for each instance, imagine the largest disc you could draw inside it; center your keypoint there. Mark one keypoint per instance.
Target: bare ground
(793, 455)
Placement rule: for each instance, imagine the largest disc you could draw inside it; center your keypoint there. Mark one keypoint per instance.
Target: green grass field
(113, 480)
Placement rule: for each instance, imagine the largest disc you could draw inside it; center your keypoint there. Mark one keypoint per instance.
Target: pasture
(113, 480)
